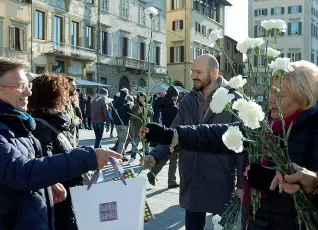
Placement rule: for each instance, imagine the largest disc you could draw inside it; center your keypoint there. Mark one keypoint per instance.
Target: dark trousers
(89, 121)
(98, 130)
(112, 125)
(195, 220)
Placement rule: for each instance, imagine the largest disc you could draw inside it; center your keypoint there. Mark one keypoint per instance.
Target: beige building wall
(15, 29)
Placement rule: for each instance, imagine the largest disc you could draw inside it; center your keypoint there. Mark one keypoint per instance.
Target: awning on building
(222, 2)
(85, 83)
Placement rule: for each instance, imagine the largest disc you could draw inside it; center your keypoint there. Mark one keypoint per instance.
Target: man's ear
(214, 72)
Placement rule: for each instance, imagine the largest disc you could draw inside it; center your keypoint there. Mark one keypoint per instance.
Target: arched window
(124, 83)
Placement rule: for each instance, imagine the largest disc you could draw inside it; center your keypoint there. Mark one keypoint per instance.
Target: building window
(142, 15)
(103, 80)
(203, 30)
(177, 4)
(124, 47)
(90, 1)
(294, 28)
(176, 54)
(58, 67)
(39, 25)
(75, 34)
(24, 1)
(177, 25)
(158, 55)
(142, 51)
(105, 4)
(260, 12)
(17, 37)
(105, 43)
(58, 30)
(312, 58)
(89, 37)
(259, 31)
(197, 27)
(294, 56)
(125, 8)
(277, 11)
(294, 9)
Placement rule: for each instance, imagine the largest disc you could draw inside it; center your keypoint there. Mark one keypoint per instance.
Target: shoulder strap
(60, 135)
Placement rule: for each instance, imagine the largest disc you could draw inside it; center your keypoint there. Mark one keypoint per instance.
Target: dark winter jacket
(168, 109)
(123, 108)
(88, 108)
(64, 217)
(276, 212)
(25, 175)
(82, 104)
(207, 181)
(99, 110)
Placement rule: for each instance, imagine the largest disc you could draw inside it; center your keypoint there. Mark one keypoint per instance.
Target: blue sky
(237, 19)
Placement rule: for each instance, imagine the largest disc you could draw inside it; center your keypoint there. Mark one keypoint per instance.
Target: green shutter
(288, 55)
(300, 9)
(272, 11)
(289, 28)
(289, 9)
(255, 13)
(255, 31)
(299, 56)
(300, 27)
(265, 12)
(283, 10)
(282, 55)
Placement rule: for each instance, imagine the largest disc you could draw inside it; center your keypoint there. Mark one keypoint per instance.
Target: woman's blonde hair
(303, 83)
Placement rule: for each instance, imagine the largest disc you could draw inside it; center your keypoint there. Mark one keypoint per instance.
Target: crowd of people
(41, 159)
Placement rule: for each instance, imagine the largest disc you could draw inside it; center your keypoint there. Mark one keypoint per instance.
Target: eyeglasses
(22, 86)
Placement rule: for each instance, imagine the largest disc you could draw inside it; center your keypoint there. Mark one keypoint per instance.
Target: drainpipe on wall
(98, 46)
(185, 44)
(31, 19)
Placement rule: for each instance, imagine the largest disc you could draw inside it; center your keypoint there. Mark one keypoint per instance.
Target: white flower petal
(281, 64)
(237, 82)
(272, 53)
(220, 99)
(233, 139)
(151, 11)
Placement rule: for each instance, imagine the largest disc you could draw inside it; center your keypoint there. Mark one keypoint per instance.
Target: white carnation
(214, 36)
(233, 140)
(249, 43)
(280, 25)
(237, 82)
(220, 99)
(272, 53)
(250, 113)
(239, 104)
(216, 219)
(151, 11)
(281, 64)
(268, 24)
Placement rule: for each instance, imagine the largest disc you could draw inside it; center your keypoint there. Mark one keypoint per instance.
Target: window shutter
(172, 5)
(282, 34)
(255, 31)
(272, 11)
(181, 24)
(11, 37)
(109, 43)
(283, 10)
(265, 12)
(299, 57)
(129, 47)
(171, 54)
(288, 55)
(282, 55)
(21, 39)
(174, 25)
(182, 53)
(300, 27)
(300, 8)
(289, 28)
(289, 9)
(255, 13)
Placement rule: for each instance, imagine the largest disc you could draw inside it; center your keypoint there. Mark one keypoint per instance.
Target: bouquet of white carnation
(256, 129)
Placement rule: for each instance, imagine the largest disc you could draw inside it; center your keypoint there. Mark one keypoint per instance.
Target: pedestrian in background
(89, 112)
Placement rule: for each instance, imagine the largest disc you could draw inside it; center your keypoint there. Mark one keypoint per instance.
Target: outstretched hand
(157, 133)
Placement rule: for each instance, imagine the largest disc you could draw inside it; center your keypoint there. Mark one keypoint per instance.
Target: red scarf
(277, 128)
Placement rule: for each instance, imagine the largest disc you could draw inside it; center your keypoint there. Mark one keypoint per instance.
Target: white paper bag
(110, 206)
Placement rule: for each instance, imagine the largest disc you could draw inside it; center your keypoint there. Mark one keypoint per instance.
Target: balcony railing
(6, 52)
(61, 49)
(134, 63)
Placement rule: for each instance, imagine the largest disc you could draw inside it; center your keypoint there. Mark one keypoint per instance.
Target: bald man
(207, 181)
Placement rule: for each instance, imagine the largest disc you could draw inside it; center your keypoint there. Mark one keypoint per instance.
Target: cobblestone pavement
(163, 202)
